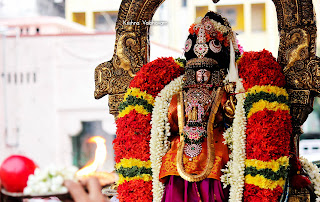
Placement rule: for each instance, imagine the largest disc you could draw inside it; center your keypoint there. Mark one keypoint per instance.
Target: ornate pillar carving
(297, 56)
(131, 51)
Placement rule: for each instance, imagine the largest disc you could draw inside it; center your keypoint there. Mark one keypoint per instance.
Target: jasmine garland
(160, 131)
(235, 137)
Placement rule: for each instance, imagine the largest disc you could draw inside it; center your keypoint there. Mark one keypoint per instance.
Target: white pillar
(90, 19)
(247, 17)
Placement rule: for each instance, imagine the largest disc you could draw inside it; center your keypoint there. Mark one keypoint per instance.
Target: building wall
(85, 11)
(256, 20)
(44, 110)
(13, 8)
(27, 8)
(51, 7)
(44, 113)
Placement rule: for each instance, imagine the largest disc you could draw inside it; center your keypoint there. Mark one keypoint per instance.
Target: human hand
(79, 194)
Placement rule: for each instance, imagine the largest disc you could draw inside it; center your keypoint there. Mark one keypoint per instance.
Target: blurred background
(50, 48)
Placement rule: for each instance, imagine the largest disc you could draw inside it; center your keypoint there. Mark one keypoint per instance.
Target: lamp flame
(99, 157)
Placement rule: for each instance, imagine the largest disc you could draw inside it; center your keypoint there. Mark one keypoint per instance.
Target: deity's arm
(228, 104)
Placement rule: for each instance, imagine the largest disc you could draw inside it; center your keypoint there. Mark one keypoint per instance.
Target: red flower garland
(255, 194)
(265, 139)
(133, 129)
(136, 190)
(153, 76)
(268, 132)
(260, 68)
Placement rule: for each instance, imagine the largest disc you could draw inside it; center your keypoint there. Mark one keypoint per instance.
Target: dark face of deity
(203, 76)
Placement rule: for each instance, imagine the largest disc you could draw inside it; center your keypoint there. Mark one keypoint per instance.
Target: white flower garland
(235, 137)
(313, 172)
(49, 180)
(160, 131)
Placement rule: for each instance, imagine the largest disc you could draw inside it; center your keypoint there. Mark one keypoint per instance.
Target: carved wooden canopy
(297, 28)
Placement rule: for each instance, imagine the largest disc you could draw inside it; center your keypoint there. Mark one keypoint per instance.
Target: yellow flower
(179, 63)
(274, 165)
(140, 109)
(262, 104)
(264, 183)
(144, 177)
(127, 163)
(268, 89)
(137, 93)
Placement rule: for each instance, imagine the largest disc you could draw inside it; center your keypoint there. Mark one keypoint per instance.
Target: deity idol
(184, 154)
(199, 114)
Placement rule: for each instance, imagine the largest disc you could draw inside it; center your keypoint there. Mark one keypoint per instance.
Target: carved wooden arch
(297, 28)
(131, 51)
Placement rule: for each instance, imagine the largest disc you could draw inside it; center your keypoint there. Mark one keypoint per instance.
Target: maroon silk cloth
(208, 190)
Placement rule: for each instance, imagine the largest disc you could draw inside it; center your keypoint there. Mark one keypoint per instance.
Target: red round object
(14, 172)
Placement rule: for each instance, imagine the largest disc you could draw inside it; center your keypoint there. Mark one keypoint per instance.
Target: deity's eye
(188, 45)
(215, 46)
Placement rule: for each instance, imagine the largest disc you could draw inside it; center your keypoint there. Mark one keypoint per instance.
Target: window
(235, 16)
(28, 77)
(9, 77)
(258, 17)
(15, 78)
(184, 3)
(34, 77)
(105, 21)
(79, 18)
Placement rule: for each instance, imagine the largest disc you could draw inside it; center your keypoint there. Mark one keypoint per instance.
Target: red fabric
(299, 181)
(207, 190)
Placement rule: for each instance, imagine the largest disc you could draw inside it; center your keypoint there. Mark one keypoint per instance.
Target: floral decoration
(135, 190)
(268, 127)
(314, 175)
(160, 132)
(235, 137)
(131, 146)
(260, 69)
